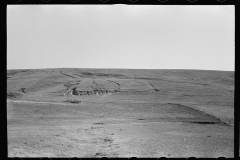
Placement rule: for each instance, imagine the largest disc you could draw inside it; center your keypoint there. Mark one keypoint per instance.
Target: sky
(121, 36)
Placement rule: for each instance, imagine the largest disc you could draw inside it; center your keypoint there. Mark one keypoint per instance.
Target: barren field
(120, 113)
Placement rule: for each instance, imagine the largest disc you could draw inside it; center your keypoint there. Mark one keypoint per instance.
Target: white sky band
(120, 36)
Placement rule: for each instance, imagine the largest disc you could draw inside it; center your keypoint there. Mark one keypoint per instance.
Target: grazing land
(120, 113)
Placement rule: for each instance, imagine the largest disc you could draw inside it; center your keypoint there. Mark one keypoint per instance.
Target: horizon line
(124, 69)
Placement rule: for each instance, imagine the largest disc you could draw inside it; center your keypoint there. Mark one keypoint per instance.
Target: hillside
(184, 103)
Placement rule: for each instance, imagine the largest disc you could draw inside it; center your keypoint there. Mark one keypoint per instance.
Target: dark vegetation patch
(77, 75)
(99, 123)
(22, 90)
(13, 95)
(87, 73)
(188, 95)
(72, 101)
(107, 140)
(156, 90)
(103, 75)
(67, 75)
(100, 154)
(199, 122)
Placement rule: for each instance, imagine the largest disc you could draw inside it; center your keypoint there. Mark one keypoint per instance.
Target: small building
(74, 91)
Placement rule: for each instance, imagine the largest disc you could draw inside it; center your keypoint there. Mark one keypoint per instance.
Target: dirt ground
(179, 120)
(112, 130)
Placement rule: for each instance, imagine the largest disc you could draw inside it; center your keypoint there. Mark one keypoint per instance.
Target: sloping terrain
(122, 113)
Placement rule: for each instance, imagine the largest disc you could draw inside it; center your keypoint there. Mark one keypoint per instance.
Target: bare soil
(122, 113)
